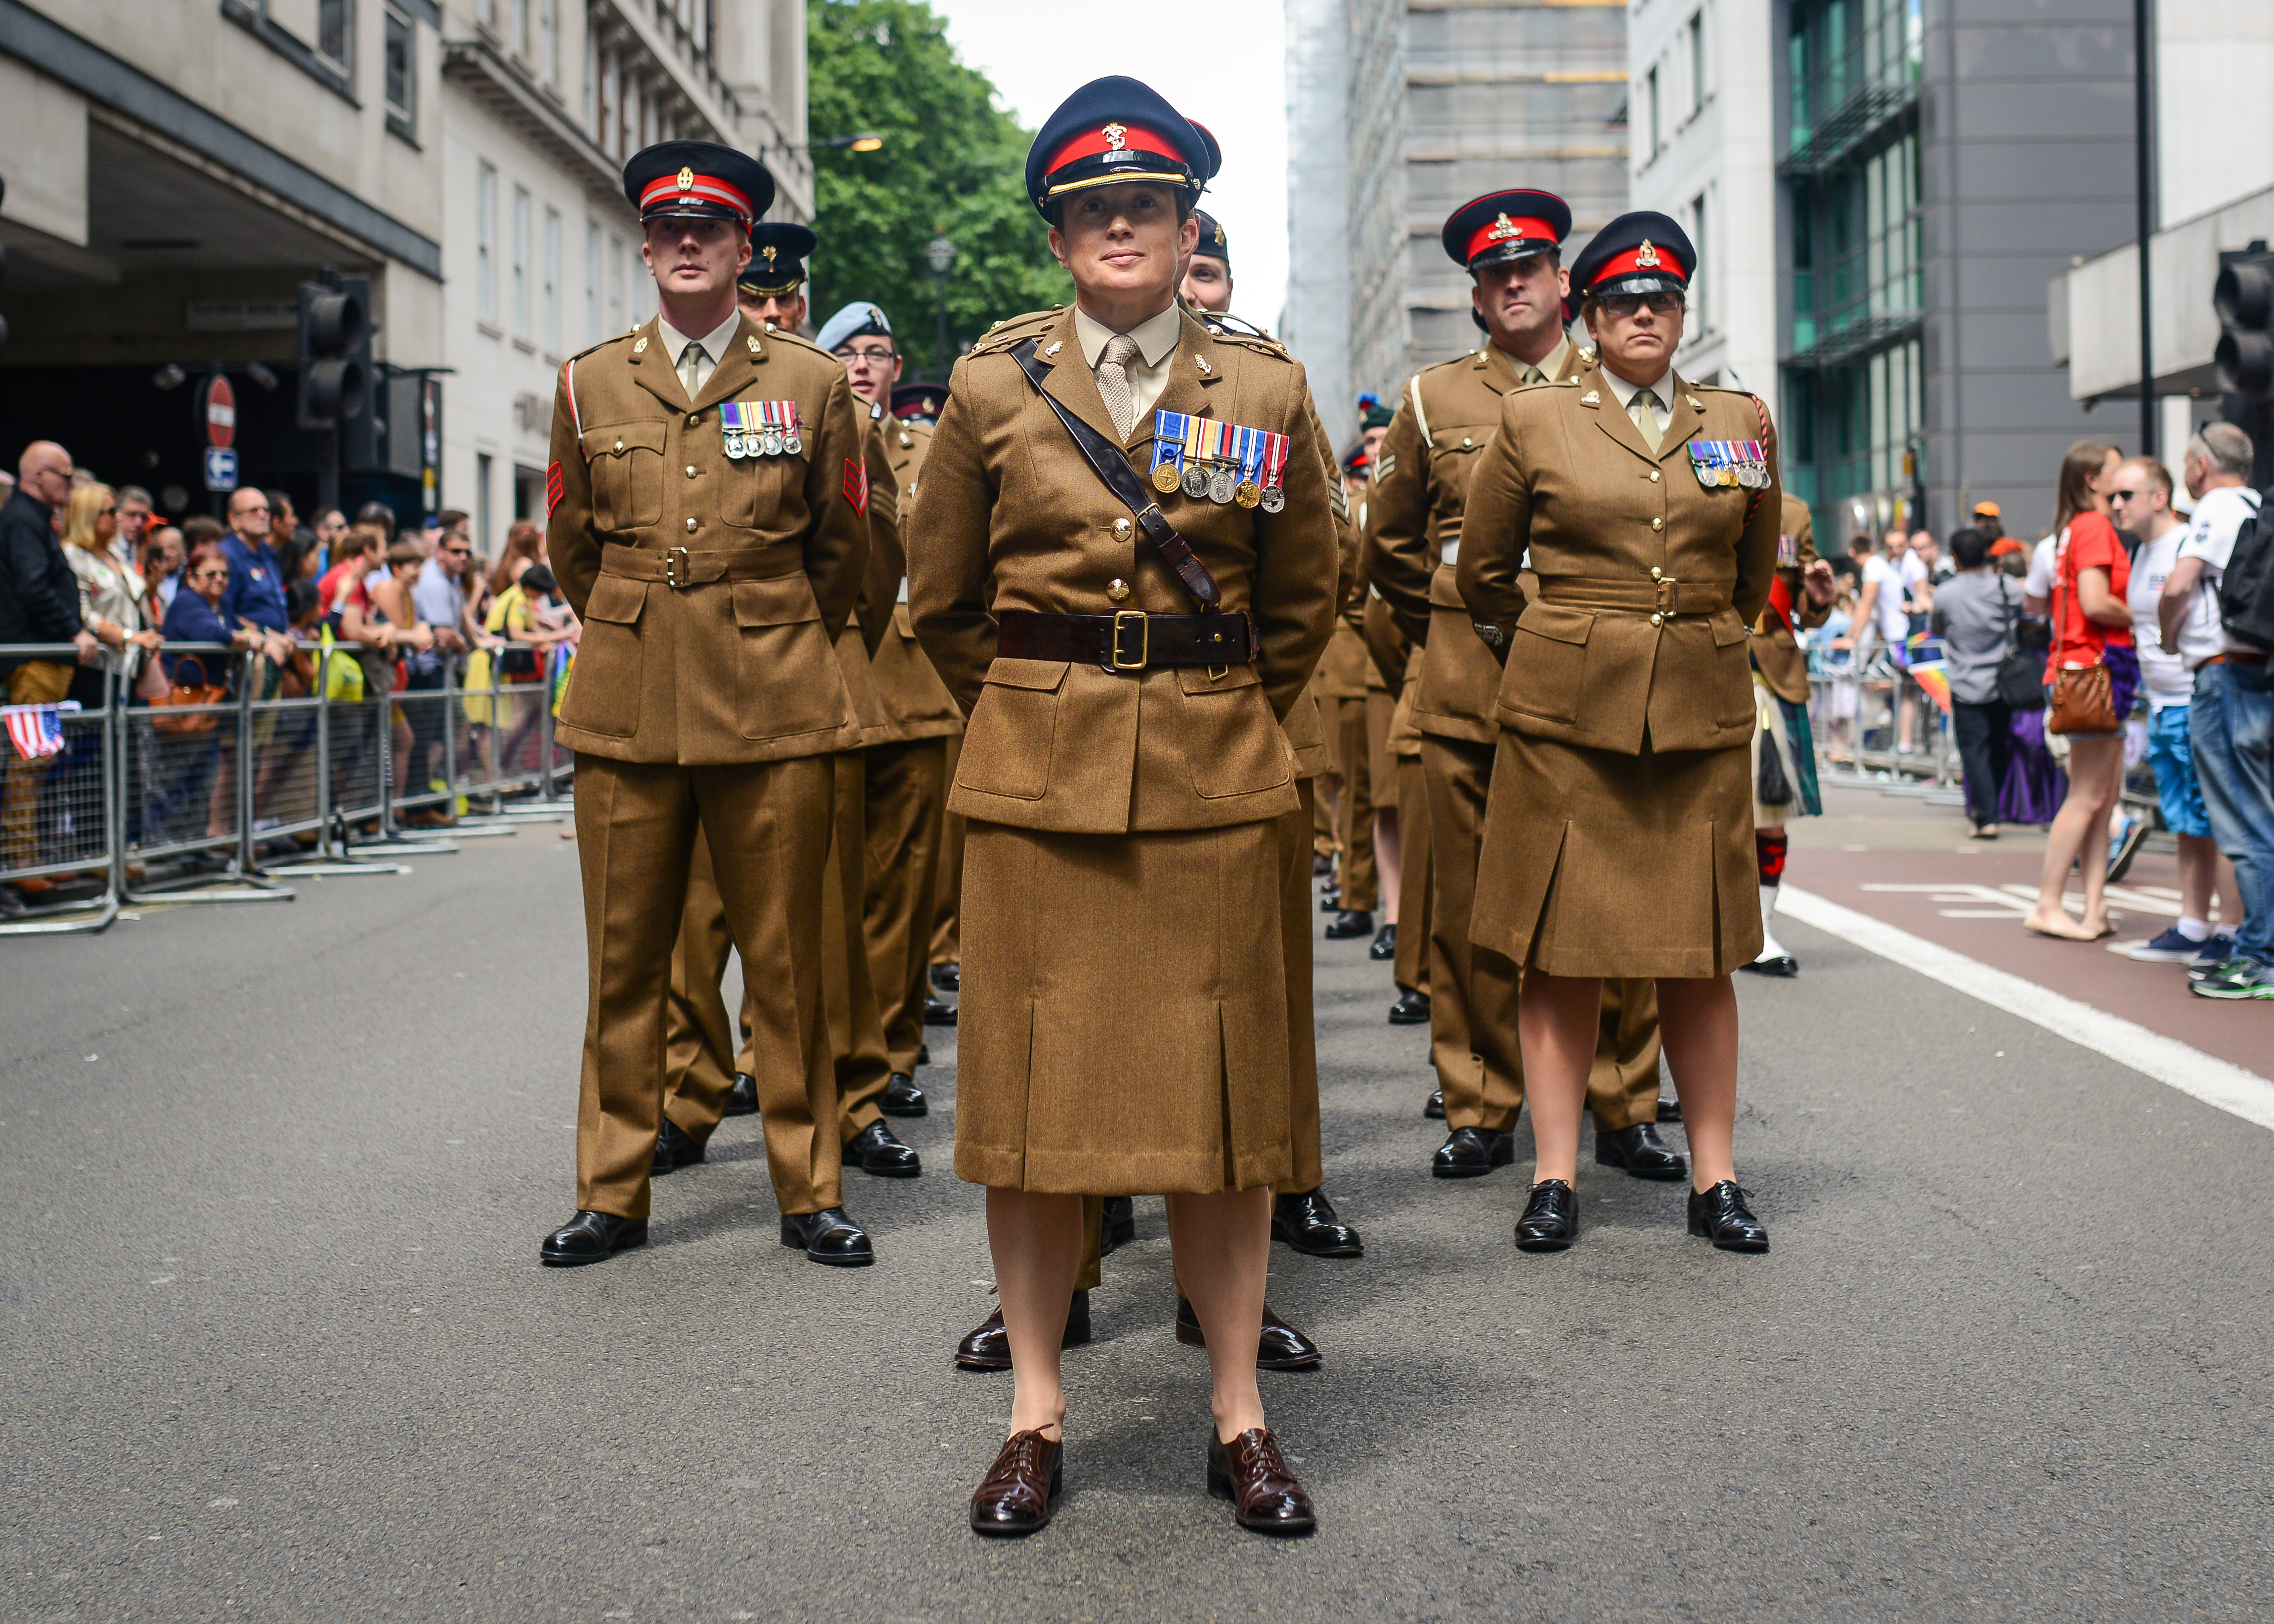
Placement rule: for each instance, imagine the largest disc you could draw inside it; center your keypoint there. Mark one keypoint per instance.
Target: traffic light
(338, 383)
(2243, 296)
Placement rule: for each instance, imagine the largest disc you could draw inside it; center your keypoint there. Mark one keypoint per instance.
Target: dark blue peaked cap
(1110, 131)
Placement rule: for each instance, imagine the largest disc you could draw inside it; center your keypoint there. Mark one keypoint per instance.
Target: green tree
(953, 164)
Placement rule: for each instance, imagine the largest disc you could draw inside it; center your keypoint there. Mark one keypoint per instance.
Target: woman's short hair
(301, 599)
(379, 514)
(204, 553)
(360, 539)
(2079, 465)
(404, 553)
(1969, 548)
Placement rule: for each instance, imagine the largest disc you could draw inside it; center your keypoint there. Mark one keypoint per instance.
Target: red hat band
(1641, 261)
(1506, 231)
(703, 188)
(1116, 138)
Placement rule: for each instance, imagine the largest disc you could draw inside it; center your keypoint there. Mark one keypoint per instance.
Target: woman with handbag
(190, 738)
(2091, 679)
(1977, 616)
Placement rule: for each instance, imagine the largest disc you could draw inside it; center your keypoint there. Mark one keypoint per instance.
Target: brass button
(1655, 572)
(1658, 524)
(1121, 530)
(1116, 589)
(620, 444)
(694, 418)
(690, 470)
(1465, 440)
(1657, 619)
(690, 524)
(1653, 475)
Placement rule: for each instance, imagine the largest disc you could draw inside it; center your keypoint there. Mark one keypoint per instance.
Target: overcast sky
(1222, 63)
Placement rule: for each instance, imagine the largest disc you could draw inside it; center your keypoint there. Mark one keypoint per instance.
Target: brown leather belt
(1663, 596)
(678, 566)
(1129, 641)
(2235, 656)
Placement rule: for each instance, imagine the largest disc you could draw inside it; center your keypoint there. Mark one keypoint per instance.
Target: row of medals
(1219, 483)
(1748, 475)
(764, 442)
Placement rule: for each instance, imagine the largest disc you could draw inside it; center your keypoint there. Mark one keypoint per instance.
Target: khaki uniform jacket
(867, 720)
(1011, 516)
(1777, 653)
(917, 703)
(1647, 579)
(734, 665)
(1414, 530)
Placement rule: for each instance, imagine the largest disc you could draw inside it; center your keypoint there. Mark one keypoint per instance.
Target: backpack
(2246, 586)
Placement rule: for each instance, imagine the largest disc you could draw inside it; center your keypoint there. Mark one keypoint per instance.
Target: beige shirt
(1660, 391)
(1551, 366)
(1149, 373)
(714, 346)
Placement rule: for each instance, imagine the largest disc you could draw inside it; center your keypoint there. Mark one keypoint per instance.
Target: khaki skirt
(1596, 863)
(1124, 1025)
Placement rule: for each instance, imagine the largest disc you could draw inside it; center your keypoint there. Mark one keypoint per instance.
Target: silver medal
(1707, 474)
(1221, 485)
(738, 447)
(1274, 499)
(773, 442)
(792, 444)
(1196, 481)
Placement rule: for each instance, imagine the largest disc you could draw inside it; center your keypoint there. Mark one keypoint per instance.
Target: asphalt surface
(276, 1344)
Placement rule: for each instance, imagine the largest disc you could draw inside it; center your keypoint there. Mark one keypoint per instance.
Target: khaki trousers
(906, 793)
(638, 825)
(1472, 990)
(1415, 908)
(947, 893)
(34, 682)
(1354, 808)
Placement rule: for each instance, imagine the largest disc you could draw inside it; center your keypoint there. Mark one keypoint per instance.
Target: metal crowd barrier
(225, 802)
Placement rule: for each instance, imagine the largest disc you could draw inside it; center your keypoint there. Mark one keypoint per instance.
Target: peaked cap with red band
(1110, 132)
(1502, 226)
(1642, 253)
(700, 179)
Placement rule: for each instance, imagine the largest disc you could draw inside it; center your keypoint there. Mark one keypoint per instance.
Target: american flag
(37, 731)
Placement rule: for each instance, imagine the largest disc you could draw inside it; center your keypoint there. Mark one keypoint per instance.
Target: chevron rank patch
(856, 485)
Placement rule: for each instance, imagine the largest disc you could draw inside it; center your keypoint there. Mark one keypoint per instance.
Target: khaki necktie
(1646, 418)
(1113, 381)
(691, 370)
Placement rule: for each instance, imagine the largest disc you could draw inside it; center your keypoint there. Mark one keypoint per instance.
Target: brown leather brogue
(1250, 1472)
(1014, 1497)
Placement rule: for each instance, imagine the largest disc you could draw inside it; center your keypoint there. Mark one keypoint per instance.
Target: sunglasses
(2125, 496)
(1622, 306)
(210, 575)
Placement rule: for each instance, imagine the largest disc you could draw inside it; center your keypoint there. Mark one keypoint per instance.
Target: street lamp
(866, 141)
(939, 254)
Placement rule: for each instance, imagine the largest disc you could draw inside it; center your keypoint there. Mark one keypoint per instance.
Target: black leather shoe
(1323, 865)
(1280, 1348)
(1641, 1153)
(591, 1237)
(1385, 945)
(924, 1053)
(1783, 966)
(828, 1236)
(1720, 1215)
(1669, 1110)
(1330, 897)
(947, 977)
(988, 1348)
(742, 1098)
(875, 1150)
(1472, 1152)
(673, 1150)
(938, 1012)
(1119, 1226)
(1411, 1008)
(1350, 922)
(903, 1098)
(1551, 1218)
(1433, 1107)
(1309, 1223)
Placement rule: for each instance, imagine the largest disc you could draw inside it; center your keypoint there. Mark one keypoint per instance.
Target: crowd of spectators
(97, 568)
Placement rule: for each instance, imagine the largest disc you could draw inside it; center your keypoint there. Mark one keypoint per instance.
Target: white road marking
(2016, 901)
(2167, 1060)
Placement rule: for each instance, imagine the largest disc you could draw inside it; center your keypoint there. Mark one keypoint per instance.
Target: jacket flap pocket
(621, 438)
(1044, 676)
(785, 601)
(616, 601)
(1195, 678)
(1554, 620)
(1727, 629)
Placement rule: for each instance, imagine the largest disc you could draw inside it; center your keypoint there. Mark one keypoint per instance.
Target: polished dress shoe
(1641, 1153)
(1669, 1110)
(988, 1348)
(1323, 865)
(903, 1098)
(1782, 966)
(673, 1150)
(924, 1053)
(828, 1236)
(947, 977)
(1014, 1497)
(1309, 1223)
(591, 1237)
(1551, 1218)
(1250, 1472)
(1385, 945)
(1330, 897)
(742, 1098)
(874, 1150)
(1280, 1346)
(1348, 922)
(1472, 1152)
(1411, 1008)
(938, 1012)
(1119, 1227)
(1433, 1107)
(1720, 1215)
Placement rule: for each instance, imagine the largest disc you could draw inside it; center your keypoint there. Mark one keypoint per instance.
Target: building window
(519, 35)
(551, 272)
(1839, 49)
(486, 243)
(607, 132)
(520, 263)
(483, 513)
(616, 322)
(1652, 128)
(402, 57)
(1701, 311)
(547, 58)
(593, 329)
(334, 27)
(1697, 61)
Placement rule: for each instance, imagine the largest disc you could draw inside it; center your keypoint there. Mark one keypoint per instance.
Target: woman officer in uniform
(1619, 836)
(1124, 1012)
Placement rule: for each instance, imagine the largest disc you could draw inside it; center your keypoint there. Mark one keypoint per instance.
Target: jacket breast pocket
(1230, 738)
(782, 661)
(754, 487)
(604, 691)
(1014, 728)
(1547, 663)
(1733, 674)
(626, 460)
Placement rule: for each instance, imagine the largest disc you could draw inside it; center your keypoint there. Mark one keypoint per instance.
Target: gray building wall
(1316, 323)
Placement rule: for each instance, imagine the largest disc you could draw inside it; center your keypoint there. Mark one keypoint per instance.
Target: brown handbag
(2081, 701)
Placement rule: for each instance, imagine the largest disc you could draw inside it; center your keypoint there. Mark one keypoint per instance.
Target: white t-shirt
(1887, 608)
(2218, 515)
(2164, 676)
(2039, 582)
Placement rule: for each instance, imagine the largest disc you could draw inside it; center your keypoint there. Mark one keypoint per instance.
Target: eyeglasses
(249, 509)
(875, 357)
(459, 552)
(1623, 305)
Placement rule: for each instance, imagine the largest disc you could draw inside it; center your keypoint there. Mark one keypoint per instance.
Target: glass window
(334, 26)
(482, 511)
(546, 58)
(1700, 313)
(1697, 60)
(521, 262)
(519, 35)
(592, 328)
(402, 67)
(616, 322)
(486, 243)
(551, 282)
(1650, 96)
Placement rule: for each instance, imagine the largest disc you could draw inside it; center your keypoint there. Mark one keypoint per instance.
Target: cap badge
(769, 251)
(1219, 236)
(1503, 228)
(1646, 256)
(687, 180)
(1115, 136)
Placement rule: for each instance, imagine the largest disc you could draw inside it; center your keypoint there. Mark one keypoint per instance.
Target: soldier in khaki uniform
(711, 564)
(1801, 596)
(1510, 243)
(1618, 834)
(1125, 660)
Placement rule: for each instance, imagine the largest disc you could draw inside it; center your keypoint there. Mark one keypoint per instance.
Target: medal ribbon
(1274, 460)
(1169, 431)
(1251, 447)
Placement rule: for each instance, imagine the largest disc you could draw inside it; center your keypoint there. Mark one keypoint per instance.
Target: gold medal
(1165, 478)
(1247, 494)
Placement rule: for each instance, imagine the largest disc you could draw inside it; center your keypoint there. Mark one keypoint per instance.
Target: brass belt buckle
(1124, 618)
(1669, 599)
(677, 570)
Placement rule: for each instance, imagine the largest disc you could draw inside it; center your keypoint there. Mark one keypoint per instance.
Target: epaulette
(1220, 323)
(1255, 342)
(1586, 357)
(1011, 329)
(783, 335)
(604, 343)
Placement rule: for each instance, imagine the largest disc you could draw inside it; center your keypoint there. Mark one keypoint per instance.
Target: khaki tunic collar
(654, 364)
(1190, 372)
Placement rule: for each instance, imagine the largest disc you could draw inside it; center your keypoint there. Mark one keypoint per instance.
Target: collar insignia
(1591, 399)
(638, 345)
(1647, 254)
(1201, 362)
(1055, 348)
(1115, 136)
(687, 180)
(751, 339)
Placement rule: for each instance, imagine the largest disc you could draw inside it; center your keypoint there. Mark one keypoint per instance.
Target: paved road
(276, 1345)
